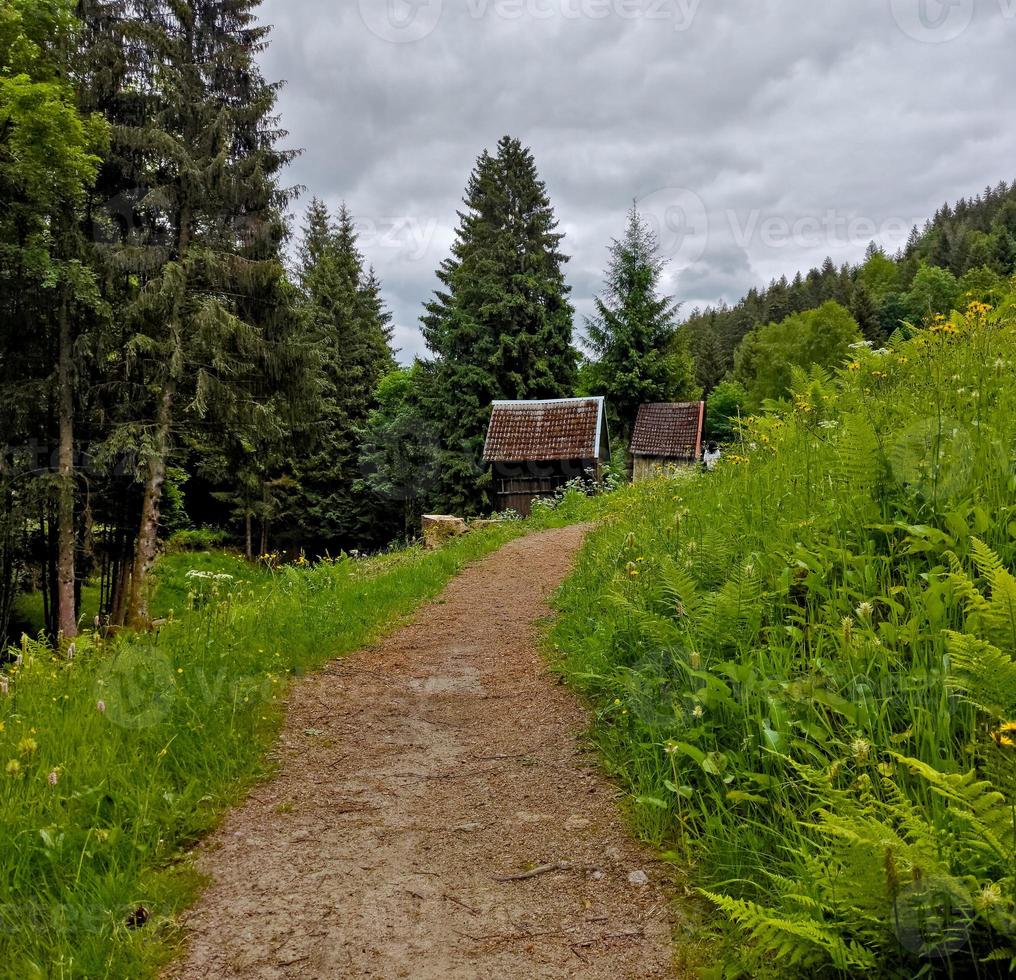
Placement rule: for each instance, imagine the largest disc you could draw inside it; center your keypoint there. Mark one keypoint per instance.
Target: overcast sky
(759, 136)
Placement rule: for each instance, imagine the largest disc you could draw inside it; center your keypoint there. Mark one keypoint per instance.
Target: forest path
(416, 776)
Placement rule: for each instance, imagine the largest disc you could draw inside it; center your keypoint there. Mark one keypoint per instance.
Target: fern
(985, 813)
(679, 589)
(993, 616)
(982, 673)
(1001, 619)
(794, 941)
(857, 454)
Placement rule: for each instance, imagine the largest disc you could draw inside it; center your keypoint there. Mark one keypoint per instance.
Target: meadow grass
(114, 764)
(802, 669)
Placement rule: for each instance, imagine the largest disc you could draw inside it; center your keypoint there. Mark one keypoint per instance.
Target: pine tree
(865, 312)
(710, 364)
(641, 356)
(349, 328)
(397, 459)
(195, 134)
(500, 327)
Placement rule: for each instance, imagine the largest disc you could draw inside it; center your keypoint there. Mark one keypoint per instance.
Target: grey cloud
(790, 111)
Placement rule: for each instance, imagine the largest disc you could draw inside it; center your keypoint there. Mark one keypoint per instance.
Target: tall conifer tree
(641, 357)
(349, 329)
(500, 327)
(49, 296)
(196, 139)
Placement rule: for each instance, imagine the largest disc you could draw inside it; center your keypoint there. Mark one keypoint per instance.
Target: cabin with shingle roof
(536, 447)
(667, 438)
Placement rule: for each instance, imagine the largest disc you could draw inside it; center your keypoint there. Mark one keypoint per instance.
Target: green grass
(802, 666)
(28, 615)
(151, 737)
(170, 591)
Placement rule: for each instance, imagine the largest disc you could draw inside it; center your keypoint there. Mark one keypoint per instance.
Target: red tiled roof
(670, 430)
(567, 428)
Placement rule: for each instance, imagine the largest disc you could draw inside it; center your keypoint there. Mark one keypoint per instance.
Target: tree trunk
(66, 604)
(250, 536)
(146, 546)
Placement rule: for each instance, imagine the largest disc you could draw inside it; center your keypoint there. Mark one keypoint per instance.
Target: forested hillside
(967, 251)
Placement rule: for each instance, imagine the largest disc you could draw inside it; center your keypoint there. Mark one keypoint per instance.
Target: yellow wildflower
(1006, 735)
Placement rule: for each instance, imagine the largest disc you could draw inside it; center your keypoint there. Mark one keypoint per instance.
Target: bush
(197, 539)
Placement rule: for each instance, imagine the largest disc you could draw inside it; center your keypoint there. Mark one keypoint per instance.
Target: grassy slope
(189, 713)
(767, 651)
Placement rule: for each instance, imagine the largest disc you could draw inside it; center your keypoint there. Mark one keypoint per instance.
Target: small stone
(612, 854)
(639, 878)
(438, 529)
(469, 828)
(597, 875)
(576, 823)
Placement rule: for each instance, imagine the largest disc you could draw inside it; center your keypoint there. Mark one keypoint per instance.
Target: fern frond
(795, 941)
(857, 454)
(983, 674)
(974, 802)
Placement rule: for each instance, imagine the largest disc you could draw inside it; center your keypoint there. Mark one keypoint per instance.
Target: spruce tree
(865, 312)
(349, 329)
(196, 138)
(397, 459)
(641, 356)
(501, 325)
(710, 364)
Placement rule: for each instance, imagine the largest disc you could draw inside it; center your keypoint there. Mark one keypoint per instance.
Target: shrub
(197, 539)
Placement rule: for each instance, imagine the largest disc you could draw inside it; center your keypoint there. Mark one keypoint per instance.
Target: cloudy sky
(758, 136)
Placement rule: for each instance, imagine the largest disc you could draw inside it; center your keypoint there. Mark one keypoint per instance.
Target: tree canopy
(820, 337)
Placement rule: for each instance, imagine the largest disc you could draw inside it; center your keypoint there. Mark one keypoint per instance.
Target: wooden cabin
(667, 438)
(536, 447)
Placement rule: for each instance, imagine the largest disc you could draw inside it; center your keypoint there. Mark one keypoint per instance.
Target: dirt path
(414, 777)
